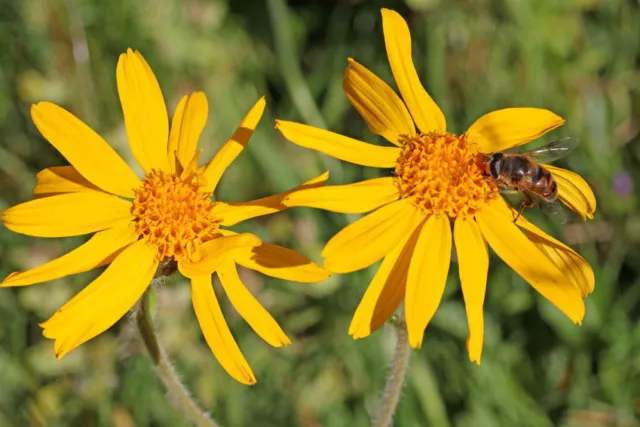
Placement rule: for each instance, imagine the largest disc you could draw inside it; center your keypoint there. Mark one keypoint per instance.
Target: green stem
(165, 370)
(395, 380)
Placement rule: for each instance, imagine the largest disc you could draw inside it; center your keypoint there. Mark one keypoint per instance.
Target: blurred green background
(579, 58)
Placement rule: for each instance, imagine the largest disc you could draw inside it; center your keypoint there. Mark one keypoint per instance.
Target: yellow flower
(438, 186)
(167, 218)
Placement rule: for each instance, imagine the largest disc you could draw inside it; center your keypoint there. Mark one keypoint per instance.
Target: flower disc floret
(442, 174)
(174, 214)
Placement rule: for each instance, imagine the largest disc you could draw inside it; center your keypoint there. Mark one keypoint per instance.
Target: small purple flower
(623, 184)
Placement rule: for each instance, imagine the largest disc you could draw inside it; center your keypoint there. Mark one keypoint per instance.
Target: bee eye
(495, 165)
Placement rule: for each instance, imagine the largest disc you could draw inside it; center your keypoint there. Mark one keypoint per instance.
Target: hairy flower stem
(165, 370)
(395, 380)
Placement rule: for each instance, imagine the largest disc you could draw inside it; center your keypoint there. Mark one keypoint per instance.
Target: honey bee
(522, 172)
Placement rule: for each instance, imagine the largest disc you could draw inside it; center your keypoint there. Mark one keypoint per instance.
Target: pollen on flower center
(174, 214)
(442, 173)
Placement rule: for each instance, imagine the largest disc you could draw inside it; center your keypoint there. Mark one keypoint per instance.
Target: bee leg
(527, 203)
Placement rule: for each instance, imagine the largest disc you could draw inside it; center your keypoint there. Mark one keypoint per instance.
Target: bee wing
(552, 210)
(554, 150)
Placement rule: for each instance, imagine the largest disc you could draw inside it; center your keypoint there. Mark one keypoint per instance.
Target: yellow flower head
(166, 219)
(438, 196)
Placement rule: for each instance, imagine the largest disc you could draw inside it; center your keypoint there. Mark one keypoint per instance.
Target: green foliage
(579, 58)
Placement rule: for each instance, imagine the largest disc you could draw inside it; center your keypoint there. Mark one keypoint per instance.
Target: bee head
(493, 165)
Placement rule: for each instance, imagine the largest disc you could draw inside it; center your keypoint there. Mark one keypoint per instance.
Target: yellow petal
(283, 263)
(214, 252)
(511, 127)
(233, 147)
(145, 113)
(524, 256)
(70, 214)
(575, 268)
(60, 180)
(387, 289)
(370, 238)
(427, 276)
(233, 213)
(360, 197)
(103, 302)
(92, 157)
(574, 191)
(473, 260)
(187, 125)
(102, 246)
(397, 39)
(377, 103)
(249, 307)
(216, 331)
(339, 146)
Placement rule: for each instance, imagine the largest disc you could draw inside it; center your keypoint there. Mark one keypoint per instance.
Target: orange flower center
(443, 174)
(174, 214)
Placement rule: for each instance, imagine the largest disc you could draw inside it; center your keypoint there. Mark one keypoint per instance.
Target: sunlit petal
(233, 147)
(370, 238)
(387, 289)
(60, 180)
(216, 331)
(574, 191)
(397, 39)
(574, 267)
(214, 252)
(249, 307)
(526, 258)
(70, 214)
(87, 152)
(186, 126)
(280, 262)
(103, 302)
(427, 276)
(145, 113)
(377, 103)
(511, 127)
(102, 246)
(233, 213)
(473, 261)
(339, 146)
(360, 197)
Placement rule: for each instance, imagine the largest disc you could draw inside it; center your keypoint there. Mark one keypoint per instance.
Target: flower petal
(387, 289)
(214, 252)
(377, 103)
(397, 39)
(339, 146)
(574, 267)
(526, 258)
(280, 262)
(103, 302)
(60, 180)
(233, 213)
(511, 127)
(249, 307)
(574, 191)
(84, 149)
(473, 260)
(145, 113)
(360, 197)
(370, 238)
(65, 215)
(187, 125)
(216, 331)
(100, 248)
(427, 276)
(233, 147)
